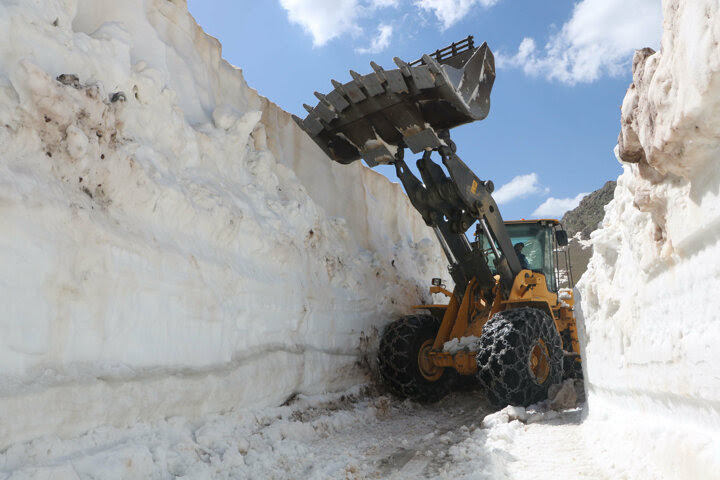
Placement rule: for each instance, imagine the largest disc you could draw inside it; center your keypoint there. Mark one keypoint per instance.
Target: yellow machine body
(467, 318)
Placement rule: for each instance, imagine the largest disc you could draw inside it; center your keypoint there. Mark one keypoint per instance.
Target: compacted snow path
(552, 449)
(356, 435)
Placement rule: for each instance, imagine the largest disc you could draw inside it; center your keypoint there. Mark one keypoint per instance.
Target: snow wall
(180, 247)
(650, 297)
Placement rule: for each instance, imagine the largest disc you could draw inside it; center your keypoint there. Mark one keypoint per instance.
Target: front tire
(520, 357)
(404, 364)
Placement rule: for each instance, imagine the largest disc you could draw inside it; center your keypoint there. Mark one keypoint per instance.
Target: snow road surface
(352, 435)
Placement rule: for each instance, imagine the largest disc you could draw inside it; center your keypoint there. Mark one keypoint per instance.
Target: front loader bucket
(373, 114)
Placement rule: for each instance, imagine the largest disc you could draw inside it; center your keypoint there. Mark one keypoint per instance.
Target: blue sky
(562, 70)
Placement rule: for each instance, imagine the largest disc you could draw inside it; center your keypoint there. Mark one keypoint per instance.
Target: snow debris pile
(563, 295)
(172, 243)
(561, 397)
(649, 297)
(506, 444)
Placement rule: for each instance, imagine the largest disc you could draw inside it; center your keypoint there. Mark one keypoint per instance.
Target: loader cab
(543, 241)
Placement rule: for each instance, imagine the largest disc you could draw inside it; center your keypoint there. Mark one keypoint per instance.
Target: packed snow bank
(172, 244)
(649, 297)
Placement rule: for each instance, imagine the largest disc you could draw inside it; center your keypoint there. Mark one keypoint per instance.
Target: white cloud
(556, 207)
(379, 43)
(385, 3)
(519, 187)
(325, 20)
(598, 40)
(449, 12)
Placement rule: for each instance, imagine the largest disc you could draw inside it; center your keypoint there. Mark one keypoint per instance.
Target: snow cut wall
(172, 244)
(650, 297)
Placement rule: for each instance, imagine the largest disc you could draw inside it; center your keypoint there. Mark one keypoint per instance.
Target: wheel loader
(506, 321)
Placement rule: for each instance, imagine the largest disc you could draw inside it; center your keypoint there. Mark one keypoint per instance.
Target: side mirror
(561, 237)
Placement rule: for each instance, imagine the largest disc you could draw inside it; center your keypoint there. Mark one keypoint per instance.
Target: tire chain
(397, 359)
(503, 361)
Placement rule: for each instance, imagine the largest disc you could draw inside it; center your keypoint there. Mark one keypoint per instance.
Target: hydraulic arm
(450, 205)
(377, 116)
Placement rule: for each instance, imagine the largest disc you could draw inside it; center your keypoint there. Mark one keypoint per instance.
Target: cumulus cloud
(556, 207)
(598, 40)
(519, 187)
(449, 12)
(379, 43)
(325, 20)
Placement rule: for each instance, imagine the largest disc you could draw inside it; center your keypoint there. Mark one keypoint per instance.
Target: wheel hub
(427, 368)
(539, 362)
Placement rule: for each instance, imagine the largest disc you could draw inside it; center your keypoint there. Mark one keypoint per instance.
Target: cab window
(538, 249)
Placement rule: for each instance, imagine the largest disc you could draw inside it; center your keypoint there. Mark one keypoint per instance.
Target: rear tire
(399, 359)
(520, 357)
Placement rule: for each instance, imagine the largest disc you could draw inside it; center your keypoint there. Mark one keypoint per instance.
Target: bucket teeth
(308, 108)
(322, 98)
(423, 77)
(431, 63)
(370, 83)
(396, 82)
(325, 112)
(404, 67)
(337, 97)
(353, 88)
(373, 115)
(373, 85)
(379, 72)
(337, 100)
(312, 126)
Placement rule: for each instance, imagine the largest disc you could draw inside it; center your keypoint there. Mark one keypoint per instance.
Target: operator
(523, 259)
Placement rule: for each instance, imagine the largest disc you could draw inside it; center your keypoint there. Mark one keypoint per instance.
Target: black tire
(509, 342)
(466, 383)
(398, 363)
